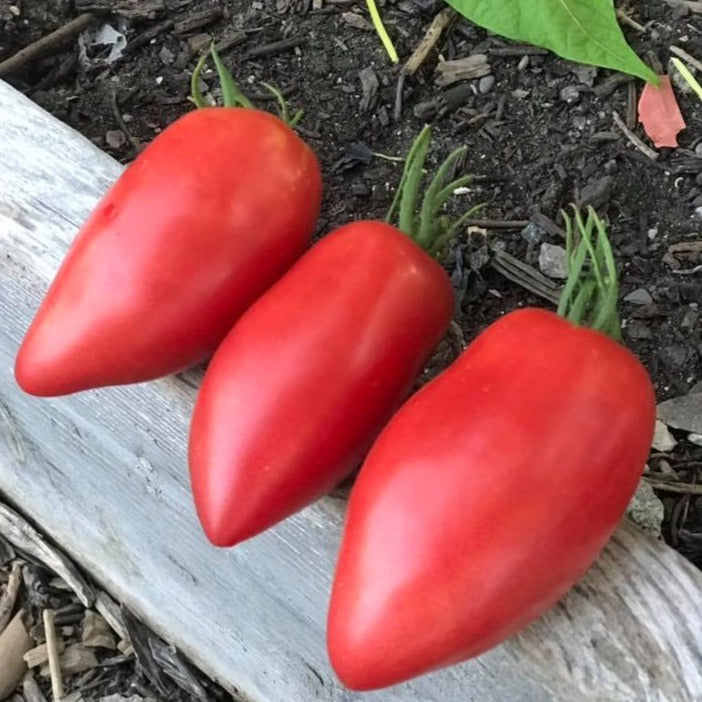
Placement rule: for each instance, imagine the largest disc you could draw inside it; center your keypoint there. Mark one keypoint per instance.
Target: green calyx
(424, 222)
(590, 294)
(232, 96)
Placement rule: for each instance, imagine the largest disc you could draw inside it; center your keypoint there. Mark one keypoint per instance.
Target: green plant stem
(423, 221)
(232, 96)
(382, 32)
(591, 291)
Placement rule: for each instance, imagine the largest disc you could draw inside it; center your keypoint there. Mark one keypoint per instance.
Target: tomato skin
(207, 217)
(302, 384)
(486, 497)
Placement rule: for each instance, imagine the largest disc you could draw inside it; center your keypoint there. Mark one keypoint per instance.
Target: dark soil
(539, 137)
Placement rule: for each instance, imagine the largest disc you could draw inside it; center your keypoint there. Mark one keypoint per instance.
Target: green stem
(232, 96)
(424, 223)
(591, 291)
(382, 32)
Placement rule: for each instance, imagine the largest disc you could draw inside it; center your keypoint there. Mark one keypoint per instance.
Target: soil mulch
(540, 135)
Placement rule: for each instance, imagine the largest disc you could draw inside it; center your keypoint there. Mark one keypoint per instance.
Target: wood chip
(638, 143)
(198, 20)
(9, 596)
(75, 659)
(25, 537)
(31, 691)
(428, 42)
(525, 275)
(40, 654)
(97, 632)
(129, 9)
(112, 614)
(474, 66)
(14, 643)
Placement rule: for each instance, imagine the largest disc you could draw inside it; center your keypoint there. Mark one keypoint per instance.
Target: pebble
(360, 189)
(166, 55)
(646, 510)
(570, 94)
(695, 439)
(115, 138)
(684, 412)
(486, 84)
(520, 93)
(356, 21)
(690, 318)
(698, 213)
(636, 329)
(553, 261)
(640, 296)
(673, 356)
(597, 192)
(663, 440)
(199, 42)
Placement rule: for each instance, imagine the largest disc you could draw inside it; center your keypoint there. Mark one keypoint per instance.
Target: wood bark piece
(31, 690)
(46, 44)
(14, 643)
(40, 654)
(26, 538)
(428, 42)
(96, 632)
(129, 9)
(9, 596)
(74, 659)
(253, 617)
(475, 66)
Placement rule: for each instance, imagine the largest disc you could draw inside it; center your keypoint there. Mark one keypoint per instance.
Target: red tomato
(487, 497)
(208, 216)
(302, 384)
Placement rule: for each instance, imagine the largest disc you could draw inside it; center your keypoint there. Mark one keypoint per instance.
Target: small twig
(647, 151)
(627, 20)
(397, 112)
(688, 488)
(431, 36)
(120, 120)
(517, 50)
(46, 44)
(631, 106)
(52, 649)
(686, 57)
(497, 223)
(275, 47)
(688, 271)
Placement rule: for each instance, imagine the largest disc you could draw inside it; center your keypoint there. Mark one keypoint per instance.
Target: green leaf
(586, 31)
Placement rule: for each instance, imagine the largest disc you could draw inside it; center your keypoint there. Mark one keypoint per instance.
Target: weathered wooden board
(104, 473)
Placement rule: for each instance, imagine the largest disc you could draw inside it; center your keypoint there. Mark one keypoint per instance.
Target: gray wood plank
(104, 473)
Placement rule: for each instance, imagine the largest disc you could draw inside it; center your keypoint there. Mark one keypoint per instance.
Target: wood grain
(104, 473)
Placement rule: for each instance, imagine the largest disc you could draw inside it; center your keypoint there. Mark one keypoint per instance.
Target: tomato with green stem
(296, 392)
(206, 218)
(493, 489)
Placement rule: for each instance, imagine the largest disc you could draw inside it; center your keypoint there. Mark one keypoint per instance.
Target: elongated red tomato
(302, 384)
(487, 497)
(208, 216)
